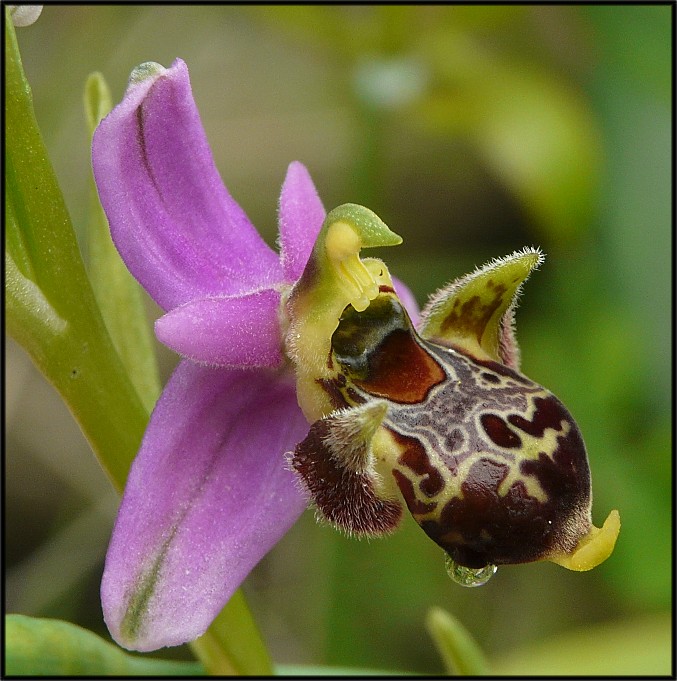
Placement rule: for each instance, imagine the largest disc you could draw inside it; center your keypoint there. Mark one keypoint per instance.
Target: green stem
(51, 309)
(232, 645)
(52, 312)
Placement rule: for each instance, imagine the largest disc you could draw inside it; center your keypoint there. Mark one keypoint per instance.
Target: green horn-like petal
(475, 312)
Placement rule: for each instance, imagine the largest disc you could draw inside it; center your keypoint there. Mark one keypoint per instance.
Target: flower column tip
(334, 278)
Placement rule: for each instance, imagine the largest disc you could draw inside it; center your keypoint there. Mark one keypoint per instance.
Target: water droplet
(466, 576)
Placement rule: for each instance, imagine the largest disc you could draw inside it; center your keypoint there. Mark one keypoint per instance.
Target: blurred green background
(472, 131)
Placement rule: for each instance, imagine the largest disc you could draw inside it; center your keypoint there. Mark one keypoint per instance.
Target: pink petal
(176, 226)
(235, 331)
(408, 300)
(207, 497)
(301, 215)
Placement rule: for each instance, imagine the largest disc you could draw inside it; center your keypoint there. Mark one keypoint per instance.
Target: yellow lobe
(594, 548)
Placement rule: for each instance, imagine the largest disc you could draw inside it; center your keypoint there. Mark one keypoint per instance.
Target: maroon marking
(564, 477)
(497, 429)
(401, 370)
(355, 396)
(549, 413)
(472, 317)
(498, 368)
(484, 527)
(332, 387)
(416, 459)
(482, 481)
(345, 498)
(407, 488)
(385, 289)
(433, 484)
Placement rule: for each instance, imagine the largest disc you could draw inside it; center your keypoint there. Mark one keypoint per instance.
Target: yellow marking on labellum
(386, 451)
(452, 483)
(531, 483)
(533, 445)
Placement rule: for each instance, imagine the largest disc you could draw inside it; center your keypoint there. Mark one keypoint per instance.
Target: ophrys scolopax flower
(209, 493)
(490, 464)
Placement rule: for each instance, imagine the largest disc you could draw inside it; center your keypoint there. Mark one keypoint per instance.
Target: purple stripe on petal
(408, 300)
(237, 331)
(301, 215)
(176, 226)
(207, 497)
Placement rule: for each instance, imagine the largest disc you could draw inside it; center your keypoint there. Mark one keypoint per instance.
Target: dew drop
(466, 576)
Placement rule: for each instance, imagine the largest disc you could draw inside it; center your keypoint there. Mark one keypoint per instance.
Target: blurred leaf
(325, 28)
(317, 671)
(51, 309)
(118, 294)
(534, 130)
(233, 641)
(636, 207)
(631, 87)
(637, 40)
(460, 653)
(344, 31)
(641, 647)
(45, 647)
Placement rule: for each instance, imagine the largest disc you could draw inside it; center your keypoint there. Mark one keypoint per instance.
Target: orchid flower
(304, 378)
(210, 492)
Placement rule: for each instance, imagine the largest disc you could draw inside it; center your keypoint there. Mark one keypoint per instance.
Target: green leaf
(459, 651)
(232, 644)
(51, 310)
(53, 314)
(47, 647)
(118, 295)
(640, 647)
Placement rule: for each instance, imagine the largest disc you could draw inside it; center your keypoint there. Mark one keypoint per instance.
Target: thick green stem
(52, 312)
(51, 309)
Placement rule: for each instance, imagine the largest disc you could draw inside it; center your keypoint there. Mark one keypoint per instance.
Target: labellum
(491, 465)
